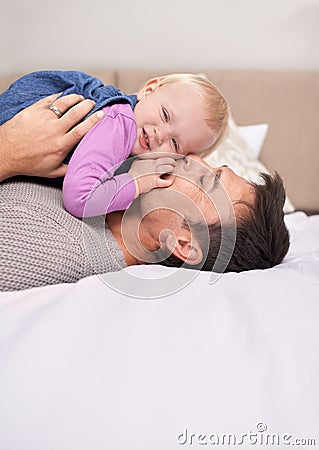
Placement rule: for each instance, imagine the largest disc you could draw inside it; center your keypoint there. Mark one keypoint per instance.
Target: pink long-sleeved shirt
(90, 187)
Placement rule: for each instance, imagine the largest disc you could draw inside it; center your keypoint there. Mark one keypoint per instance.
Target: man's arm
(35, 141)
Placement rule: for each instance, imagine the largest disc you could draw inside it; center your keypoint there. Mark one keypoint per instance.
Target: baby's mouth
(144, 141)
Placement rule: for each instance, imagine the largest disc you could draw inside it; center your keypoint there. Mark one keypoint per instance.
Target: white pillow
(254, 136)
(240, 152)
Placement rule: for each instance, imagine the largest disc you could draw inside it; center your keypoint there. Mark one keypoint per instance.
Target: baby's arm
(90, 187)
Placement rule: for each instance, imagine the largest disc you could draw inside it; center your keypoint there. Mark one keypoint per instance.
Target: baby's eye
(175, 145)
(165, 115)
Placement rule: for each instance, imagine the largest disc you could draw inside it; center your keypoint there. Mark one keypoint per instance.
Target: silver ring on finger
(56, 110)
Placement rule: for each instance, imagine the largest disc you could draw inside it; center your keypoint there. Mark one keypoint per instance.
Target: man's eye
(202, 180)
(206, 182)
(217, 177)
(165, 115)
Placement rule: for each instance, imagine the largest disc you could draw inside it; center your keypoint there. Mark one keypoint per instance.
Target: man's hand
(148, 170)
(36, 141)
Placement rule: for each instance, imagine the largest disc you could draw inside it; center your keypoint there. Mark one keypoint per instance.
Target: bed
(157, 358)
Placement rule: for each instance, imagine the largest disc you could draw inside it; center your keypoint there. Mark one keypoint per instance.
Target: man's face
(170, 118)
(198, 186)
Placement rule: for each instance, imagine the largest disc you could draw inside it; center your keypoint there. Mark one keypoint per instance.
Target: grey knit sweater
(42, 244)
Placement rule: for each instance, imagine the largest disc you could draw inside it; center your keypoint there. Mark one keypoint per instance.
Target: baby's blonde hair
(215, 105)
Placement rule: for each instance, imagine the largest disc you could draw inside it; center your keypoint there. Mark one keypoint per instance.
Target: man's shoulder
(34, 199)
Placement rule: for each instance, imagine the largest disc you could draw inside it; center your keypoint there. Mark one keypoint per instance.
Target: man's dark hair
(262, 239)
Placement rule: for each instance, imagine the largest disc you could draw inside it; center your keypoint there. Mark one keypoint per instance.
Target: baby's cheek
(138, 150)
(134, 150)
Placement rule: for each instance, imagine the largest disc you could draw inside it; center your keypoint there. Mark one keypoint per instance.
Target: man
(209, 219)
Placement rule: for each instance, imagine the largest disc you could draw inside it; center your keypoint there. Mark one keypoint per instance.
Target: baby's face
(170, 119)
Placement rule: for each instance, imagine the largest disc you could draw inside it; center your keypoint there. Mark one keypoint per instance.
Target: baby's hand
(147, 172)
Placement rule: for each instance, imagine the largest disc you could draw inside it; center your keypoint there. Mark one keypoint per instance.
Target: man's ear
(148, 88)
(182, 246)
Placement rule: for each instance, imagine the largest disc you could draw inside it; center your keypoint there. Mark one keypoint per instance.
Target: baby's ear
(148, 88)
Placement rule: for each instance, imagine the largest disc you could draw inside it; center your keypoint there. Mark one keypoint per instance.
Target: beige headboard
(287, 101)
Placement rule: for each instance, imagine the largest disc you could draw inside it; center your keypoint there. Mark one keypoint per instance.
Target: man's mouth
(144, 141)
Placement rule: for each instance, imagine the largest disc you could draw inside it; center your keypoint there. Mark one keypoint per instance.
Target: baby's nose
(158, 135)
(161, 141)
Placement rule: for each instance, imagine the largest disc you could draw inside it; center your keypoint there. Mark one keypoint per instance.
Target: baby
(171, 115)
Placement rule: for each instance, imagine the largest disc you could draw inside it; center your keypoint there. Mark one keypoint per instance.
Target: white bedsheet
(84, 367)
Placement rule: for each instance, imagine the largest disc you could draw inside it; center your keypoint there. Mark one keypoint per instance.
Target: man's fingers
(69, 103)
(47, 100)
(79, 131)
(73, 108)
(75, 114)
(66, 102)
